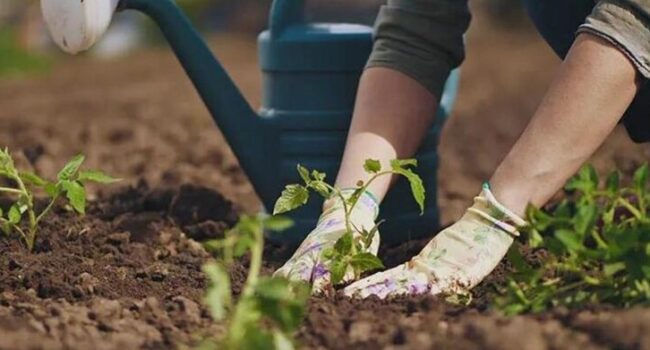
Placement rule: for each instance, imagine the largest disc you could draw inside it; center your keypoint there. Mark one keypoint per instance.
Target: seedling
(69, 184)
(597, 243)
(351, 250)
(269, 309)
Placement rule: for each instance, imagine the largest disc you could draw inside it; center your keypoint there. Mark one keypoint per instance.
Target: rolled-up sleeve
(421, 38)
(625, 24)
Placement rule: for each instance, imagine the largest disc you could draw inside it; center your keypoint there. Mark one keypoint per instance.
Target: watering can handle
(285, 13)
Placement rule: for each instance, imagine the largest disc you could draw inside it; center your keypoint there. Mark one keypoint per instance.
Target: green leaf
(278, 223)
(570, 240)
(337, 271)
(304, 174)
(366, 262)
(281, 341)
(14, 215)
(292, 197)
(317, 176)
(585, 181)
(641, 178)
(32, 178)
(52, 190)
(612, 182)
(372, 166)
(343, 245)
(417, 187)
(76, 195)
(585, 218)
(282, 301)
(96, 176)
(218, 297)
(70, 169)
(321, 188)
(403, 163)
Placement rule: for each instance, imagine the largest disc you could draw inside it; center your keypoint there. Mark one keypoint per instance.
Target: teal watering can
(310, 77)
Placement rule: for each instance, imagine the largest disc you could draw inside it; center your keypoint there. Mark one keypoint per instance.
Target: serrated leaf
(96, 176)
(14, 215)
(218, 297)
(317, 175)
(337, 271)
(292, 197)
(52, 190)
(76, 195)
(372, 166)
(417, 187)
(321, 188)
(70, 169)
(31, 178)
(278, 223)
(366, 262)
(343, 245)
(304, 173)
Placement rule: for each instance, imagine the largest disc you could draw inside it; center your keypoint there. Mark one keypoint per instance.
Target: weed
(351, 251)
(69, 184)
(597, 243)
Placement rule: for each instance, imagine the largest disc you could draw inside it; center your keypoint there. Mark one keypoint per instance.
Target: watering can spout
(238, 122)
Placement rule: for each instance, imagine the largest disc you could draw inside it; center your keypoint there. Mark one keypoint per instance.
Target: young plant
(22, 185)
(269, 309)
(351, 250)
(597, 243)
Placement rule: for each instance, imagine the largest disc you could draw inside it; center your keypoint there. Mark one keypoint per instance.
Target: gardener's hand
(456, 260)
(307, 264)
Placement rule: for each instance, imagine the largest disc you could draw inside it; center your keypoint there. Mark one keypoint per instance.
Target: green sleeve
(421, 38)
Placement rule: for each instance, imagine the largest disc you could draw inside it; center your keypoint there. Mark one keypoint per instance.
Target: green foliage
(351, 251)
(269, 309)
(16, 61)
(70, 183)
(597, 243)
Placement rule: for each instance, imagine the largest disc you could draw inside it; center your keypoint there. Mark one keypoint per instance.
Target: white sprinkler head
(75, 25)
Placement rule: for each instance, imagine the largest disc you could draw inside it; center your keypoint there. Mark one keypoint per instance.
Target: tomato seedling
(351, 250)
(21, 185)
(597, 243)
(269, 309)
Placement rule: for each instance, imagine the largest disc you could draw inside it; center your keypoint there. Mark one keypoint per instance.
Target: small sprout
(351, 251)
(269, 309)
(70, 183)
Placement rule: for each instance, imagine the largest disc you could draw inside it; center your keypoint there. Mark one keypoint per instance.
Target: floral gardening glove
(456, 260)
(307, 263)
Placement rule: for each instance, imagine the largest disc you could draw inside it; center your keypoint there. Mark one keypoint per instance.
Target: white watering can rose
(75, 25)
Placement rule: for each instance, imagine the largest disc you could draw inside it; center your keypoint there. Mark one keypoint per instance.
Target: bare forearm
(595, 85)
(391, 117)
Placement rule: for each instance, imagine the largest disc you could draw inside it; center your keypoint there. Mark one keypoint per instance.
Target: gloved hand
(456, 260)
(307, 264)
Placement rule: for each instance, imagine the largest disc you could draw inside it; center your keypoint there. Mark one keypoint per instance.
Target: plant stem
(47, 209)
(10, 190)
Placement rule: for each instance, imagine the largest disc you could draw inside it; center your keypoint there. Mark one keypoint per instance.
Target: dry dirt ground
(127, 275)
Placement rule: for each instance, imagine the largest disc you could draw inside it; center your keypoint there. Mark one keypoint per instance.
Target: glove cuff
(487, 207)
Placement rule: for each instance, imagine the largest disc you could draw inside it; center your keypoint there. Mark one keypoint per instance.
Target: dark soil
(127, 275)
